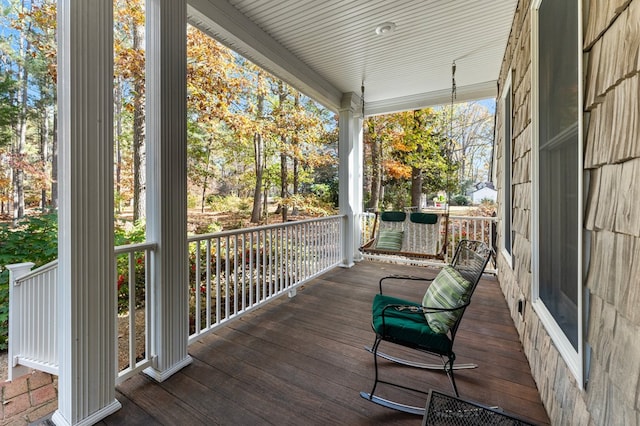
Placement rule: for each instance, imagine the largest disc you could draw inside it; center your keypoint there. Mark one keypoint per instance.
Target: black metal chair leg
(375, 364)
(449, 370)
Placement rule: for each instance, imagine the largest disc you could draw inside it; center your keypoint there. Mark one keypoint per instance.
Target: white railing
(32, 305)
(134, 266)
(234, 272)
(367, 222)
(231, 273)
(479, 228)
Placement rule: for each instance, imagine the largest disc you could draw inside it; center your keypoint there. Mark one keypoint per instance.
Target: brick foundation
(28, 398)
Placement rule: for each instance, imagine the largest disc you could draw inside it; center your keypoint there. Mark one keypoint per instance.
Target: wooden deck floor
(302, 361)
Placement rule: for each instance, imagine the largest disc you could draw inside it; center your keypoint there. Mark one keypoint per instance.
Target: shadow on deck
(302, 361)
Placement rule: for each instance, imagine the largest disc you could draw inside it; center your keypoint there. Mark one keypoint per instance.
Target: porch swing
(411, 234)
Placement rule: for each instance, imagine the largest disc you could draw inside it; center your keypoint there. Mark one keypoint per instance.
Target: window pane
(508, 202)
(558, 163)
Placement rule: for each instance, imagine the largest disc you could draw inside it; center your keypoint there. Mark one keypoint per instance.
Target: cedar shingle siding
(612, 217)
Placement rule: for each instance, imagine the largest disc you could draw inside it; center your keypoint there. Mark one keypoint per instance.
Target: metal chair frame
(470, 260)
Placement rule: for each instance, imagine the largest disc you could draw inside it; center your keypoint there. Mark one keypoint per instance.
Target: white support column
(350, 174)
(86, 291)
(166, 121)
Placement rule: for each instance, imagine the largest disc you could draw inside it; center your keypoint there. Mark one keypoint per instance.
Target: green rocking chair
(430, 326)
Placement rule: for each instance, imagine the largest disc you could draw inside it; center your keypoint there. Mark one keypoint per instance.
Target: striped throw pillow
(448, 290)
(389, 240)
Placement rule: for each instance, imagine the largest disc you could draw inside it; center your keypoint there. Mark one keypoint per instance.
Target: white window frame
(507, 179)
(575, 359)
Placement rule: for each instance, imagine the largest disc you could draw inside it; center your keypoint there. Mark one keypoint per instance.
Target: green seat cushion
(389, 240)
(426, 218)
(448, 290)
(393, 216)
(405, 327)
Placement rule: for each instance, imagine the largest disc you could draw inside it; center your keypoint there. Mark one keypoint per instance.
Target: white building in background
(483, 191)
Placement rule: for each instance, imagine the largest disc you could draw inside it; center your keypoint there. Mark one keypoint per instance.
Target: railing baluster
(296, 253)
(218, 283)
(227, 272)
(198, 288)
(280, 264)
(315, 247)
(276, 273)
(244, 271)
(148, 265)
(287, 262)
(265, 260)
(271, 266)
(235, 274)
(250, 270)
(259, 265)
(132, 310)
(208, 281)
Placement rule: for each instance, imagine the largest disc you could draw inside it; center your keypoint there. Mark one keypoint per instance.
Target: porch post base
(59, 420)
(161, 376)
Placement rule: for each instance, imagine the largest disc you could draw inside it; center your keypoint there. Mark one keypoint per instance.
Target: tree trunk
(54, 162)
(117, 95)
(416, 187)
(376, 172)
(284, 210)
(137, 163)
(296, 184)
(265, 205)
(138, 140)
(205, 179)
(18, 172)
(296, 142)
(416, 173)
(18, 158)
(259, 164)
(256, 212)
(44, 143)
(416, 184)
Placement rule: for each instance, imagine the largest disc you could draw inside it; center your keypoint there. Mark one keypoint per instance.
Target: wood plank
(129, 414)
(302, 360)
(161, 406)
(200, 385)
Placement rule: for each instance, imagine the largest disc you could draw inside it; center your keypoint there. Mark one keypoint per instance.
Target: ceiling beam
(488, 89)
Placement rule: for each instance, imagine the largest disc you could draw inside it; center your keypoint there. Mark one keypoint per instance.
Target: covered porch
(302, 360)
(86, 298)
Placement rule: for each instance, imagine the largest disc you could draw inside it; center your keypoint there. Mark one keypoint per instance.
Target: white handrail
(234, 272)
(137, 261)
(32, 304)
(479, 228)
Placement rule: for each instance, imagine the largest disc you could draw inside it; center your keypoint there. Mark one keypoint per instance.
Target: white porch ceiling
(328, 48)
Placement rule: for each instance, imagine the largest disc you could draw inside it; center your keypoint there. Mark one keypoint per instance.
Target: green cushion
(448, 290)
(389, 240)
(407, 327)
(393, 216)
(428, 218)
